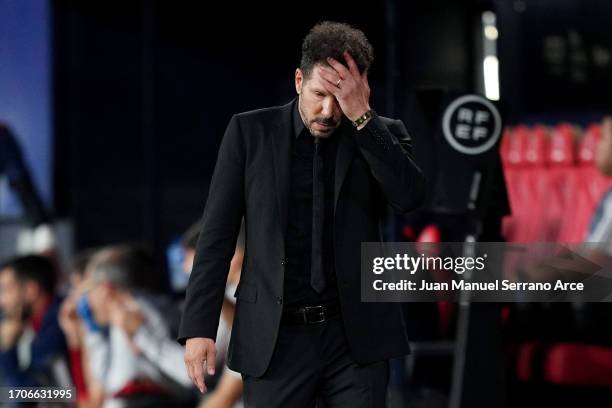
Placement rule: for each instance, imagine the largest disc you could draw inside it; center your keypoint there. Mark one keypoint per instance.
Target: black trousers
(312, 363)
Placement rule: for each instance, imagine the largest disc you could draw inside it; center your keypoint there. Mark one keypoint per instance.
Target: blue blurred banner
(25, 91)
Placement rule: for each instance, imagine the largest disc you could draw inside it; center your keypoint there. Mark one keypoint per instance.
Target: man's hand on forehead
(348, 85)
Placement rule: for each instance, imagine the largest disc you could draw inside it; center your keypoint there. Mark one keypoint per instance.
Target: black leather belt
(310, 314)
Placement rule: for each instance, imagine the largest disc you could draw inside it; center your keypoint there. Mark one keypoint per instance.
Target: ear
(299, 80)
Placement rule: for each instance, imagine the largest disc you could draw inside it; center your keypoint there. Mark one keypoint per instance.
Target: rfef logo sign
(471, 124)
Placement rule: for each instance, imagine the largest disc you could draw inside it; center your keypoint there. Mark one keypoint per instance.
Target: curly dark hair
(35, 268)
(331, 39)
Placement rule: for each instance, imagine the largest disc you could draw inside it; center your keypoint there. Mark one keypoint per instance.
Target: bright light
(491, 32)
(491, 77)
(490, 63)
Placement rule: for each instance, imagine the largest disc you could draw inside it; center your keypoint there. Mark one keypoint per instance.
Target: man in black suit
(313, 180)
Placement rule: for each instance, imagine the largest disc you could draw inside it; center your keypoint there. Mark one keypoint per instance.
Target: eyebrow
(321, 90)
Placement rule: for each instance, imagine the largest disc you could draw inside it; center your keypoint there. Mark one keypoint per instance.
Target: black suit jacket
(251, 179)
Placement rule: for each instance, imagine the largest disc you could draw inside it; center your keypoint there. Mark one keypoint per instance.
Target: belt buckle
(321, 313)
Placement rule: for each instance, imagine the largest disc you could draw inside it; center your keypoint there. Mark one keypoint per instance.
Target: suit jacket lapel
(280, 144)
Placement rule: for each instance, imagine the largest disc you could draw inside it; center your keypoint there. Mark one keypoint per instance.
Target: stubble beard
(309, 124)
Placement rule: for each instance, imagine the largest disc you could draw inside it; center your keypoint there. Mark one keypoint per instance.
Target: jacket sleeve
(388, 151)
(217, 241)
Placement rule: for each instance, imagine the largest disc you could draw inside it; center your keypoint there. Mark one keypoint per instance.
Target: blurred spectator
(227, 392)
(129, 347)
(78, 267)
(601, 225)
(88, 392)
(32, 346)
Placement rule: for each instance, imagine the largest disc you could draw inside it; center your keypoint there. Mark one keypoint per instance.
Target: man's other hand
(200, 352)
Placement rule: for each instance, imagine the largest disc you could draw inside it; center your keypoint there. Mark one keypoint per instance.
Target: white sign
(471, 124)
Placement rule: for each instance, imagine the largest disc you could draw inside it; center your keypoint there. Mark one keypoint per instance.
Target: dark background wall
(556, 59)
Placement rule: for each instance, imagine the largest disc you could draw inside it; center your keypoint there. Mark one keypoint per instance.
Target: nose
(330, 107)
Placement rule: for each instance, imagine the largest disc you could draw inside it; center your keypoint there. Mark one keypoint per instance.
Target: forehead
(315, 79)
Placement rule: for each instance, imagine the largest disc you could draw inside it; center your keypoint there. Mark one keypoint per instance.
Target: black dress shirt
(298, 244)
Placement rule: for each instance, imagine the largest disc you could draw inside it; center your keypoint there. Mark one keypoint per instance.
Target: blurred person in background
(601, 224)
(89, 393)
(227, 392)
(128, 344)
(32, 346)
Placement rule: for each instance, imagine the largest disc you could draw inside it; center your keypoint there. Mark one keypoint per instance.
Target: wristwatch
(359, 121)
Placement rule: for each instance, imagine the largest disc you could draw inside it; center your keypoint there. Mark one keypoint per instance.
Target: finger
(211, 357)
(198, 375)
(329, 77)
(332, 89)
(331, 72)
(340, 69)
(190, 371)
(351, 64)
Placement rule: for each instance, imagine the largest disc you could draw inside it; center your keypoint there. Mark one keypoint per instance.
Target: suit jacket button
(283, 261)
(279, 300)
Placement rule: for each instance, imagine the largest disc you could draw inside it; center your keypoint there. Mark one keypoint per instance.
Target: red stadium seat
(579, 364)
(588, 145)
(524, 361)
(553, 185)
(590, 189)
(562, 182)
(513, 155)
